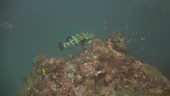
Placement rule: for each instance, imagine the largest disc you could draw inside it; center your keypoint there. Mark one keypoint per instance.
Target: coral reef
(102, 69)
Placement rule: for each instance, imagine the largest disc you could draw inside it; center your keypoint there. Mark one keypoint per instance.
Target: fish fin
(82, 42)
(61, 46)
(68, 38)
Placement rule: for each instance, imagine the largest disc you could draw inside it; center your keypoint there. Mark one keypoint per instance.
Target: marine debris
(102, 69)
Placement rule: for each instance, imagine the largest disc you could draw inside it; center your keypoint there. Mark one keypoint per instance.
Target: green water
(36, 26)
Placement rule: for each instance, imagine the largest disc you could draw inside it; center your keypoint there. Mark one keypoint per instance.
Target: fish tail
(61, 46)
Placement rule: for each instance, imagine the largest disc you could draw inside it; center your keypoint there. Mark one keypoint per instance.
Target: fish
(5, 25)
(77, 39)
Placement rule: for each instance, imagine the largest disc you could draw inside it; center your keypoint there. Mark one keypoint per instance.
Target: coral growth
(101, 69)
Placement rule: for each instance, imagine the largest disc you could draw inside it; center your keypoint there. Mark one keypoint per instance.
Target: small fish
(77, 39)
(5, 25)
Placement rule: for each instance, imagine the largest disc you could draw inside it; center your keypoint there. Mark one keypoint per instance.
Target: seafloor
(102, 69)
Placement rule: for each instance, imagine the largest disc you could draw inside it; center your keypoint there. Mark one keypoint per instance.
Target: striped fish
(77, 39)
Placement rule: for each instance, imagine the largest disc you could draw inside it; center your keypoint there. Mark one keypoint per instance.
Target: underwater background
(31, 27)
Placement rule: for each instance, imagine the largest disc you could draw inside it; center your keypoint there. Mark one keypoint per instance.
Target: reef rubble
(103, 68)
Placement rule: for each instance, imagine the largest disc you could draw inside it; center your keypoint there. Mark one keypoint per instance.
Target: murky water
(30, 27)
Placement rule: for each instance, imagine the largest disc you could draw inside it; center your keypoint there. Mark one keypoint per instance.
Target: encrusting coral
(101, 69)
